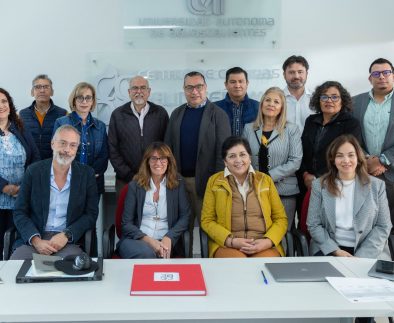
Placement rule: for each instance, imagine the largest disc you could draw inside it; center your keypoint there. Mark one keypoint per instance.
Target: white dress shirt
(298, 110)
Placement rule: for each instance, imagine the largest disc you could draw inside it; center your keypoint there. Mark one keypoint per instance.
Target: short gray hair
(41, 77)
(64, 128)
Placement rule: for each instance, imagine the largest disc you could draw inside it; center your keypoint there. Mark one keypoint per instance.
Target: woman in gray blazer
(348, 211)
(276, 147)
(156, 210)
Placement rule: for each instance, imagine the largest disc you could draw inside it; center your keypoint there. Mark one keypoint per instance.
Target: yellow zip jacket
(216, 210)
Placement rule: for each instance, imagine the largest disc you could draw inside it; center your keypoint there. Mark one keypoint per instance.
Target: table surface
(235, 290)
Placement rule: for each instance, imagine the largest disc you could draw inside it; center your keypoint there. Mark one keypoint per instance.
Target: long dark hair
(329, 179)
(13, 117)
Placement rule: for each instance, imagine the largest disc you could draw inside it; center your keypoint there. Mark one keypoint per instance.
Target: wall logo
(206, 7)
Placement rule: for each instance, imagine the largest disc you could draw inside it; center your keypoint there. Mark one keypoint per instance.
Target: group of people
(239, 167)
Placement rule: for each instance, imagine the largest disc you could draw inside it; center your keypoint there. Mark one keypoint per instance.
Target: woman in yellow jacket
(242, 213)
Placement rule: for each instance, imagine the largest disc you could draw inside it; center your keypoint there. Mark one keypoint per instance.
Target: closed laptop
(302, 271)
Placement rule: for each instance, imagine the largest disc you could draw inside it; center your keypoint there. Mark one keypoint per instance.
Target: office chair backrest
(119, 210)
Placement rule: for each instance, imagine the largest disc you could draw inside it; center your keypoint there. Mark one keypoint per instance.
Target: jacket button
(269, 166)
(360, 232)
(268, 156)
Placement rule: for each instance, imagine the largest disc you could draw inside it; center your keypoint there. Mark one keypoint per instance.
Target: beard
(62, 158)
(296, 84)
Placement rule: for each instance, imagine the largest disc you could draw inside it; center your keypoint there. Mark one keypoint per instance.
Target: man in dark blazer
(57, 202)
(195, 133)
(375, 111)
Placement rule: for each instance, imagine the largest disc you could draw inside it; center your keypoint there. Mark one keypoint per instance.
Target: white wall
(339, 38)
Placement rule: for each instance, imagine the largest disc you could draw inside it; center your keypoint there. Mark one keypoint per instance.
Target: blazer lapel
(360, 195)
(170, 196)
(45, 185)
(258, 134)
(75, 184)
(204, 127)
(141, 200)
(329, 207)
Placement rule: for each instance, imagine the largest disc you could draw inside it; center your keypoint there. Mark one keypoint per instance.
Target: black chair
(88, 242)
(287, 242)
(301, 245)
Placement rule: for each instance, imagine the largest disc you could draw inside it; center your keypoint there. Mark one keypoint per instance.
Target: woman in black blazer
(156, 210)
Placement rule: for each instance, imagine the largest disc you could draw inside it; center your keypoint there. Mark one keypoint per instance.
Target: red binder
(169, 280)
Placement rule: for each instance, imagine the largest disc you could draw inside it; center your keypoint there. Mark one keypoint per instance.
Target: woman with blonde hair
(276, 147)
(93, 149)
(156, 210)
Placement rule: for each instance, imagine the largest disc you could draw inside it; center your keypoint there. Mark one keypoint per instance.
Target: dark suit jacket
(178, 212)
(360, 105)
(32, 203)
(214, 129)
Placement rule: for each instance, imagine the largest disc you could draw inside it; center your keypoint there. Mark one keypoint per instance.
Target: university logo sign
(206, 7)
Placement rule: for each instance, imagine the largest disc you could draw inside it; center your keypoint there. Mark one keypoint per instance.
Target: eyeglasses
(154, 159)
(386, 73)
(41, 87)
(136, 88)
(81, 98)
(64, 144)
(334, 98)
(191, 88)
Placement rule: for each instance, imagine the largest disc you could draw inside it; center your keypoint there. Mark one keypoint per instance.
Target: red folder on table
(168, 279)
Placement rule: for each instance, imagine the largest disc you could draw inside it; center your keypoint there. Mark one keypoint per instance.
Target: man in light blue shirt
(375, 111)
(57, 201)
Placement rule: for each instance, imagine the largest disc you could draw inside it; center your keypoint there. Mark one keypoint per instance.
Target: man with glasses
(375, 111)
(196, 132)
(57, 201)
(238, 106)
(132, 127)
(295, 73)
(40, 117)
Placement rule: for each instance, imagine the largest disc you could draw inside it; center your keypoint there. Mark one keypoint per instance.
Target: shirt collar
(162, 183)
(228, 99)
(307, 92)
(228, 173)
(146, 107)
(68, 174)
(199, 106)
(386, 97)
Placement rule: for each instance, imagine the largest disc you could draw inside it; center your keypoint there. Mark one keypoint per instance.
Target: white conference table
(235, 293)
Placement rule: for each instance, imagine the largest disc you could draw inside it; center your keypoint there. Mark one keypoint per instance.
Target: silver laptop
(302, 271)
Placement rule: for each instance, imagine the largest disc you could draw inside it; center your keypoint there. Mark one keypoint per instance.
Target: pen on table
(265, 278)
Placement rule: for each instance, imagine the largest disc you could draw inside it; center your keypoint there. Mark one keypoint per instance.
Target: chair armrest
(391, 245)
(109, 242)
(204, 244)
(186, 244)
(9, 239)
(90, 242)
(289, 244)
(301, 243)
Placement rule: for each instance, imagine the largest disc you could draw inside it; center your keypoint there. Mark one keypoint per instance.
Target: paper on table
(359, 290)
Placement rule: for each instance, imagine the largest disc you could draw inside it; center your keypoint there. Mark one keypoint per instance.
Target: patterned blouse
(12, 166)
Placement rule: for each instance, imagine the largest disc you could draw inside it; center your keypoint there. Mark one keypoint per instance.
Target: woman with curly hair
(332, 104)
(17, 151)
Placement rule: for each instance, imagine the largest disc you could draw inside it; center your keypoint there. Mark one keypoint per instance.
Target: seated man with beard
(57, 201)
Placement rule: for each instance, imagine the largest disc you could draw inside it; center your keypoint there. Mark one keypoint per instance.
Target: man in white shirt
(295, 72)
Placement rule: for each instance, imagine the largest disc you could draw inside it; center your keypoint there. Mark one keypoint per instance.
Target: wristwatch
(68, 234)
(383, 161)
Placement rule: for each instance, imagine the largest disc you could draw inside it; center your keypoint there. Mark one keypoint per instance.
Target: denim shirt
(96, 143)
